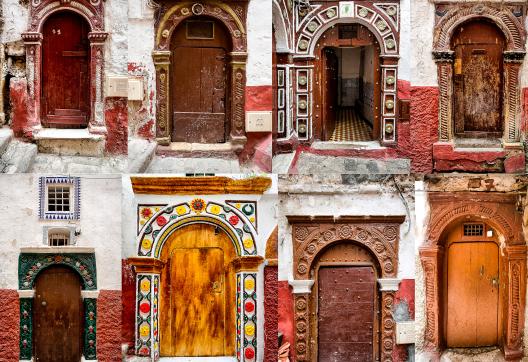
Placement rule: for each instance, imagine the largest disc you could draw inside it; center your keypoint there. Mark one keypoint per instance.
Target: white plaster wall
(100, 225)
(15, 18)
(116, 47)
(422, 66)
(259, 43)
(404, 64)
(339, 200)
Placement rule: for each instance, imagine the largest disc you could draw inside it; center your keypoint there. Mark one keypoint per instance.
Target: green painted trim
(90, 329)
(26, 328)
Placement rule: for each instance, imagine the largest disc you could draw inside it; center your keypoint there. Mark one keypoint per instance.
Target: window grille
(59, 198)
(473, 229)
(59, 239)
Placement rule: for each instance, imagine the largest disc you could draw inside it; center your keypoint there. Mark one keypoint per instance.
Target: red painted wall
(20, 120)
(109, 326)
(405, 299)
(128, 300)
(286, 318)
(116, 119)
(270, 314)
(9, 333)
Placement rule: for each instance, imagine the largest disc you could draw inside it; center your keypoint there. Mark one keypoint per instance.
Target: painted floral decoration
(248, 243)
(249, 353)
(249, 284)
(161, 220)
(146, 213)
(215, 209)
(180, 210)
(249, 306)
(233, 220)
(198, 205)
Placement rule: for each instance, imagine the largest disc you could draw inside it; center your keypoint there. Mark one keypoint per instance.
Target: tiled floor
(351, 127)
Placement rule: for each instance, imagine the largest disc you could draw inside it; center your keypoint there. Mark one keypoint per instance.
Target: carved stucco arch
(498, 211)
(173, 217)
(511, 28)
(234, 21)
(282, 37)
(515, 35)
(311, 236)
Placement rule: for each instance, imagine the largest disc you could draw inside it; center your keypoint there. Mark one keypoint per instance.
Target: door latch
(495, 282)
(217, 286)
(481, 270)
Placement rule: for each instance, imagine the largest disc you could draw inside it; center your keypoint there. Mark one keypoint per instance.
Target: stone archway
(311, 235)
(511, 23)
(499, 211)
(30, 263)
(93, 12)
(233, 17)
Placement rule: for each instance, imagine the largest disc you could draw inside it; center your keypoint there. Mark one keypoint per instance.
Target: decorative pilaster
(387, 326)
(238, 97)
(246, 319)
(147, 303)
(26, 328)
(302, 321)
(512, 65)
(163, 124)
(97, 123)
(89, 334)
(444, 62)
(389, 91)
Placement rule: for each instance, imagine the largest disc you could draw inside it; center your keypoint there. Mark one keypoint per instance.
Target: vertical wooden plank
(486, 313)
(57, 315)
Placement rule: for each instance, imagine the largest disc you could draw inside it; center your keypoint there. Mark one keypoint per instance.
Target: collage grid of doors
(263, 180)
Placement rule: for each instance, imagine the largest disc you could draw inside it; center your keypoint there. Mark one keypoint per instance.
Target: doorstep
(70, 142)
(187, 149)
(332, 145)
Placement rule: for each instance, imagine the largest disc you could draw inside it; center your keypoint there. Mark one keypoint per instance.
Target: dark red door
(65, 71)
(330, 92)
(346, 309)
(58, 316)
(199, 68)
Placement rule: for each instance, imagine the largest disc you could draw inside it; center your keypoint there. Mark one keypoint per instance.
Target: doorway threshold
(359, 145)
(198, 359)
(478, 144)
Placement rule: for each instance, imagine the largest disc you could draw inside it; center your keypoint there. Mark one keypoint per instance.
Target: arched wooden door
(347, 305)
(65, 98)
(58, 316)
(472, 288)
(478, 79)
(200, 52)
(198, 294)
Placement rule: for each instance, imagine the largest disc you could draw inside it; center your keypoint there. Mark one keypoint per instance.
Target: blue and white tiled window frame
(75, 183)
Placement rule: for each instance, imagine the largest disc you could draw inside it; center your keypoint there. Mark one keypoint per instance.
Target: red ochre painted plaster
(259, 98)
(404, 89)
(270, 314)
(286, 319)
(21, 122)
(257, 151)
(109, 310)
(524, 105)
(423, 128)
(405, 294)
(116, 119)
(9, 333)
(128, 285)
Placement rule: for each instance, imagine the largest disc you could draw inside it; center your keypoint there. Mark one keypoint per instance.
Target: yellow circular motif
(215, 209)
(146, 244)
(248, 243)
(249, 284)
(145, 285)
(144, 330)
(180, 210)
(142, 222)
(250, 329)
(252, 219)
(237, 206)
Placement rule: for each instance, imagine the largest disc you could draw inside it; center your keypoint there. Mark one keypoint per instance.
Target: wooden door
(197, 302)
(346, 313)
(478, 80)
(57, 316)
(472, 294)
(65, 71)
(330, 75)
(199, 67)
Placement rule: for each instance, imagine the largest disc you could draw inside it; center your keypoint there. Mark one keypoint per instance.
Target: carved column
(302, 321)
(516, 259)
(97, 123)
(431, 257)
(3, 73)
(33, 45)
(511, 107)
(238, 99)
(388, 107)
(444, 62)
(163, 118)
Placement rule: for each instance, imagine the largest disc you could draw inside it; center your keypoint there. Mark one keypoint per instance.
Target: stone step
(18, 157)
(48, 163)
(70, 142)
(140, 154)
(6, 135)
(165, 164)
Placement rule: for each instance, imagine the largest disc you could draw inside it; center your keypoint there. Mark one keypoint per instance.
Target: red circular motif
(250, 307)
(249, 353)
(234, 220)
(144, 308)
(146, 213)
(161, 220)
(197, 204)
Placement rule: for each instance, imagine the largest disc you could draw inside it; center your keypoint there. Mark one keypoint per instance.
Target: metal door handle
(481, 270)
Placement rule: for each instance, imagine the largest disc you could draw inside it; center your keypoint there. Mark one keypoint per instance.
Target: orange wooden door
(199, 67)
(197, 303)
(472, 294)
(57, 316)
(65, 71)
(478, 79)
(346, 314)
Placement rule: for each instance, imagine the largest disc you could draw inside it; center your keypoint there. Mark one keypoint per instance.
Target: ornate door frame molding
(498, 211)
(311, 235)
(93, 12)
(234, 18)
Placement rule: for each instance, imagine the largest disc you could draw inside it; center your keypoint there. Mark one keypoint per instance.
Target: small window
(59, 238)
(59, 198)
(473, 229)
(349, 31)
(199, 29)
(198, 174)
